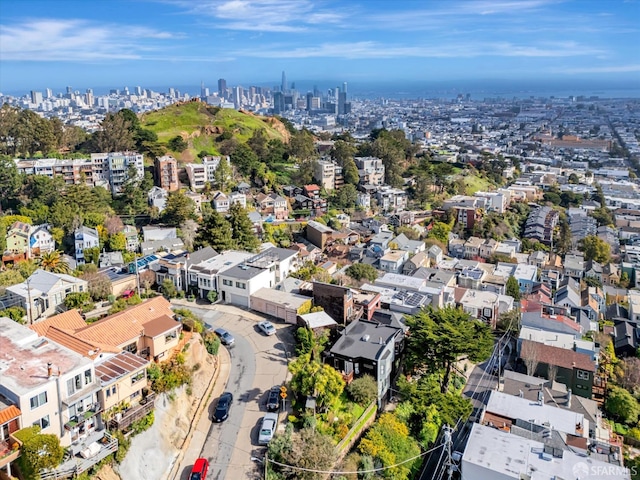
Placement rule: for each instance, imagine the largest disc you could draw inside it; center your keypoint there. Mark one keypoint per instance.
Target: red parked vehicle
(200, 469)
(128, 294)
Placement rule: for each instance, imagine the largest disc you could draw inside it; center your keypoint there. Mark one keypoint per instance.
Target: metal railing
(124, 420)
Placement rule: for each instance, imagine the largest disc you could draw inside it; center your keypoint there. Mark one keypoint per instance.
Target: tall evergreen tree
(215, 232)
(222, 175)
(242, 229)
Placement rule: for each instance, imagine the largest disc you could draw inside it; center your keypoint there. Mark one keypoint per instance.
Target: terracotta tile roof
(68, 321)
(72, 342)
(125, 326)
(9, 413)
(557, 356)
(160, 325)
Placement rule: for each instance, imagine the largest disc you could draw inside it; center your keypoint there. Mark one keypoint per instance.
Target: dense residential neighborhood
(430, 285)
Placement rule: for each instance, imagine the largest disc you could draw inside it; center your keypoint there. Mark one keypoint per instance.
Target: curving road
(257, 363)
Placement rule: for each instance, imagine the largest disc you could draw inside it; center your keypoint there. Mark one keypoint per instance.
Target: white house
(85, 237)
(41, 240)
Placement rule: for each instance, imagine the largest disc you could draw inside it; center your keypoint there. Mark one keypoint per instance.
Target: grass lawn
(475, 184)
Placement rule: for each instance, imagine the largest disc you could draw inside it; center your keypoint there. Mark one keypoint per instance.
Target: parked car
(267, 328)
(268, 428)
(273, 402)
(225, 337)
(222, 408)
(127, 294)
(200, 469)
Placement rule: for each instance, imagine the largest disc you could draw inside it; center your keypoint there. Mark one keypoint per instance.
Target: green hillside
(200, 124)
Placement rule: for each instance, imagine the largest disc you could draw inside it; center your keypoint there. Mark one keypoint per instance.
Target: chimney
(381, 341)
(49, 369)
(569, 398)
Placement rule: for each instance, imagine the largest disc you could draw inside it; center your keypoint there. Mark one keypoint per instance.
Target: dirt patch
(153, 452)
(107, 473)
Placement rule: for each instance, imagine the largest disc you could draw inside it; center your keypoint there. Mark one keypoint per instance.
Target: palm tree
(53, 262)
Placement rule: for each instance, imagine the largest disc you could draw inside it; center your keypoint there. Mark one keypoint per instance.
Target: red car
(200, 469)
(128, 294)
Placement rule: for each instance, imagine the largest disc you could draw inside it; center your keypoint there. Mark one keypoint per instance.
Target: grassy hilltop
(200, 125)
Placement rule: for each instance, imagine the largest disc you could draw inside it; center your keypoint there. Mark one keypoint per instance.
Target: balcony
(124, 420)
(81, 417)
(9, 450)
(81, 457)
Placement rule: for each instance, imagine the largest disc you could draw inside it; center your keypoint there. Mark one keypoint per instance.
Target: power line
(331, 472)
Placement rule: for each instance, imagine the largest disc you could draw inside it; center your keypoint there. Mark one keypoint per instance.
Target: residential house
(56, 389)
(272, 205)
(539, 259)
(412, 246)
(17, 239)
(220, 202)
(472, 248)
(488, 248)
(391, 199)
(552, 318)
(238, 283)
(611, 274)
(280, 304)
(483, 305)
(337, 301)
(325, 174)
(174, 267)
(205, 267)
(393, 260)
(574, 266)
(626, 339)
(573, 369)
(420, 259)
(40, 240)
(123, 380)
(151, 233)
(131, 234)
(84, 238)
(157, 198)
(43, 293)
(10, 423)
(318, 233)
(540, 224)
(435, 255)
(368, 348)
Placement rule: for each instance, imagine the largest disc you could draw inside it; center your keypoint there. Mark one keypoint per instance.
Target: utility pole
(447, 446)
(29, 300)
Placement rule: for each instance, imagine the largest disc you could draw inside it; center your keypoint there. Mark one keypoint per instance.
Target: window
(74, 384)
(171, 336)
(137, 377)
(108, 392)
(132, 348)
(228, 283)
(38, 400)
(582, 375)
(43, 422)
(87, 377)
(113, 390)
(241, 285)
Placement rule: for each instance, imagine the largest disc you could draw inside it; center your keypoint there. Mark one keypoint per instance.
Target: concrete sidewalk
(201, 422)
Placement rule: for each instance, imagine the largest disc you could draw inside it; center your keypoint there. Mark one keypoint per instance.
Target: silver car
(268, 428)
(267, 328)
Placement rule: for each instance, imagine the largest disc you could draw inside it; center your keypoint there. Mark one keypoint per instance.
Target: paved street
(257, 363)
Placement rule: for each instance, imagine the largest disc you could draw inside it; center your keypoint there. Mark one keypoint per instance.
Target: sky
(113, 43)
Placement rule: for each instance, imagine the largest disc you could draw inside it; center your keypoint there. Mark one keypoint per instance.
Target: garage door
(238, 300)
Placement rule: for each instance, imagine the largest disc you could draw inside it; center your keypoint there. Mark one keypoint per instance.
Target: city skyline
(163, 42)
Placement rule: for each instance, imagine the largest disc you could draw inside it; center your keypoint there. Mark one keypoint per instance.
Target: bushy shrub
(363, 390)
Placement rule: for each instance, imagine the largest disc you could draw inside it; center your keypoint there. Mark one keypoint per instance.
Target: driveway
(257, 363)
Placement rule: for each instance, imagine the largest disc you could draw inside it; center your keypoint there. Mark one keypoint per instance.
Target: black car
(222, 409)
(273, 402)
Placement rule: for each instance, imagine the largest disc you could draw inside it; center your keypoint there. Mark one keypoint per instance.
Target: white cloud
(264, 15)
(75, 40)
(370, 49)
(604, 69)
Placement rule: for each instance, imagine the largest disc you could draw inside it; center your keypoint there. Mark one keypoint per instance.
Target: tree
(307, 448)
(363, 390)
(222, 175)
(389, 443)
(16, 314)
(529, 354)
(574, 179)
(115, 135)
(594, 248)
(212, 296)
(216, 232)
(81, 300)
(169, 290)
(409, 232)
(621, 405)
(312, 378)
(242, 228)
(244, 159)
(177, 144)
(512, 288)
(440, 338)
(440, 231)
(347, 196)
(53, 262)
(630, 378)
(41, 451)
(178, 209)
(98, 284)
(113, 224)
(301, 145)
(133, 198)
(188, 231)
(10, 181)
(358, 271)
(350, 172)
(117, 242)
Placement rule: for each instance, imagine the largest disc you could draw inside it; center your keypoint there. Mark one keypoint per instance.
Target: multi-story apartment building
(201, 173)
(325, 174)
(371, 170)
(167, 173)
(102, 169)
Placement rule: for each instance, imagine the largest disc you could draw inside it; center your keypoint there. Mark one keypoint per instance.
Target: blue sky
(112, 43)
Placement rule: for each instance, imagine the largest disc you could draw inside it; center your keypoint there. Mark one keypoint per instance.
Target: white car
(267, 328)
(268, 428)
